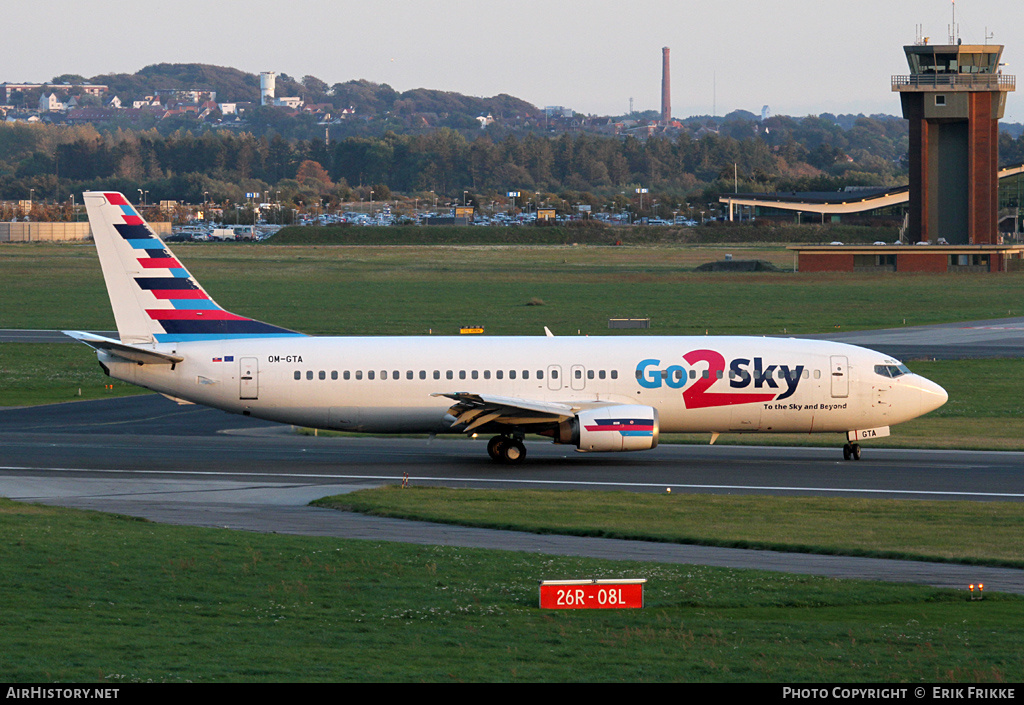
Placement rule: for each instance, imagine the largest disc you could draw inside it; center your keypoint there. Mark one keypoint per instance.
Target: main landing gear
(506, 449)
(851, 450)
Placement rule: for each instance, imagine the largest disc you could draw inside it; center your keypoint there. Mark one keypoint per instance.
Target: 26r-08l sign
(592, 594)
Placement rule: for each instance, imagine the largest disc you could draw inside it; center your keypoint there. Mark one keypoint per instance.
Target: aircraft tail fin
(154, 297)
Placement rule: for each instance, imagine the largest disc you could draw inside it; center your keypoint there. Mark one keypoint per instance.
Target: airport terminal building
(875, 206)
(889, 206)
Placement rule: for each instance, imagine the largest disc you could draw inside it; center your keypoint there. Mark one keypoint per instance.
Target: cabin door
(248, 378)
(840, 376)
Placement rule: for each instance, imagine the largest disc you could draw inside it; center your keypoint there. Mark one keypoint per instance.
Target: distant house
(84, 115)
(292, 102)
(50, 103)
(148, 102)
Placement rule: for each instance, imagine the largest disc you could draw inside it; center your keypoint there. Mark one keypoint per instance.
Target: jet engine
(611, 428)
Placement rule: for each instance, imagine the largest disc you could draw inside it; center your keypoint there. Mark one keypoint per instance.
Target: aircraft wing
(143, 356)
(476, 410)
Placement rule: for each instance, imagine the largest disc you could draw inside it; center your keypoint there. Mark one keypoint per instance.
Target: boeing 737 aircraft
(594, 393)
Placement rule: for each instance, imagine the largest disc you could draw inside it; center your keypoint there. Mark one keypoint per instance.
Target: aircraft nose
(932, 395)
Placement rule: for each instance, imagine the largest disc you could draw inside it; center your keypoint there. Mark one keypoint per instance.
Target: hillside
(366, 97)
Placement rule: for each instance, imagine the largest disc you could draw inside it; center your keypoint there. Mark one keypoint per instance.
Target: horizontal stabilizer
(132, 353)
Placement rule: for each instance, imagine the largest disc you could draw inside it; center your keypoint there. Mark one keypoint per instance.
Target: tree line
(696, 164)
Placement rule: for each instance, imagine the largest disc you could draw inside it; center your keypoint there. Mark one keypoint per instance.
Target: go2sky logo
(743, 372)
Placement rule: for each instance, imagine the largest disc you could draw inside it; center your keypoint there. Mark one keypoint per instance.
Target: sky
(798, 57)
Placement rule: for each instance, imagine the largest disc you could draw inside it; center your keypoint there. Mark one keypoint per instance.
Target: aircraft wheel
(513, 452)
(495, 448)
(847, 451)
(856, 451)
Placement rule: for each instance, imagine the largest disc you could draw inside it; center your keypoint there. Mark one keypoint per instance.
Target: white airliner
(594, 393)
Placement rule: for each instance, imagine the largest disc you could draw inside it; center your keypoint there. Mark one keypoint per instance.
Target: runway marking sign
(592, 594)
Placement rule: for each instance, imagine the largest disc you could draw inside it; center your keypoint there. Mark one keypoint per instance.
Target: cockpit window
(892, 370)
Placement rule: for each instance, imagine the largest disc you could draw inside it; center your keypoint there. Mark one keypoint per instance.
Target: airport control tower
(953, 98)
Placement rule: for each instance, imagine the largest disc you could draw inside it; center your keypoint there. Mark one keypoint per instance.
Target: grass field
(963, 532)
(416, 290)
(96, 598)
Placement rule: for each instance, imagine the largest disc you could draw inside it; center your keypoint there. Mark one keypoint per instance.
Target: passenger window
(398, 375)
(449, 375)
(369, 374)
(499, 374)
(554, 374)
(298, 374)
(462, 374)
(817, 374)
(511, 374)
(423, 374)
(474, 374)
(334, 374)
(359, 374)
(615, 374)
(383, 374)
(579, 374)
(600, 374)
(309, 374)
(408, 374)
(437, 374)
(540, 374)
(526, 374)
(487, 374)
(347, 375)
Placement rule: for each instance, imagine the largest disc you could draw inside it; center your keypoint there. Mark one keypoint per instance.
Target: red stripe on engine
(621, 427)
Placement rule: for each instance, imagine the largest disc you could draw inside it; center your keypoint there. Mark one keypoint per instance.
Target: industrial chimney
(666, 89)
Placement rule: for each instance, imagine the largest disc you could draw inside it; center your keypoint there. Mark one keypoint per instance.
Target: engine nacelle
(611, 428)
